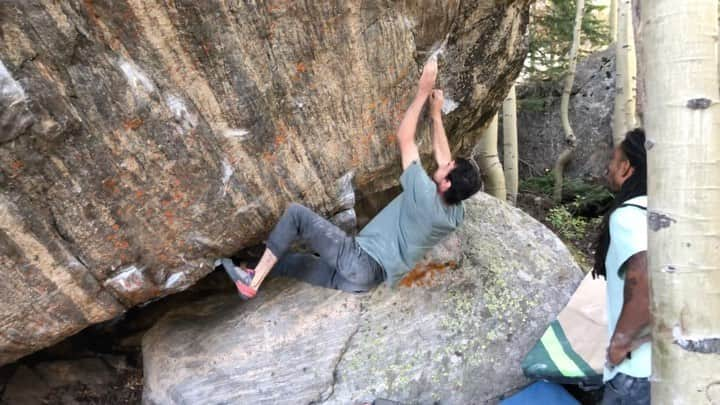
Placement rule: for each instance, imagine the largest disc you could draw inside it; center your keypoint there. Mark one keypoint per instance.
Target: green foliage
(538, 185)
(532, 104)
(569, 226)
(584, 196)
(551, 37)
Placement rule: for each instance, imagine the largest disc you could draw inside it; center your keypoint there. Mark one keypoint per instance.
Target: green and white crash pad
(572, 349)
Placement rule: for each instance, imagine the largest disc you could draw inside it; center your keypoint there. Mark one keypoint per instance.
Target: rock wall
(540, 133)
(142, 138)
(454, 333)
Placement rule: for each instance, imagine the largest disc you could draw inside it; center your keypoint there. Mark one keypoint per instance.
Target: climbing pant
(339, 262)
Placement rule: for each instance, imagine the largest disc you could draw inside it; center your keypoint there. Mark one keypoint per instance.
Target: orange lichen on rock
(111, 185)
(424, 274)
(17, 165)
(133, 124)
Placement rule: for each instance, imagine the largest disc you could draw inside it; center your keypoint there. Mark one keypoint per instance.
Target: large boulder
(540, 133)
(456, 335)
(140, 139)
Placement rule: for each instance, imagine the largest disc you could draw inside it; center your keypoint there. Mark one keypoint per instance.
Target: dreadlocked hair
(633, 148)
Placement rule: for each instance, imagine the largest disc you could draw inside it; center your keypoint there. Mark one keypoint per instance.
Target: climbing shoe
(241, 277)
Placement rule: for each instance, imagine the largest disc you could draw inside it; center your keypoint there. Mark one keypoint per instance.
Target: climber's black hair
(464, 181)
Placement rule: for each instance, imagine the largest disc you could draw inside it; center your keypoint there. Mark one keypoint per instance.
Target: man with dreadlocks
(621, 257)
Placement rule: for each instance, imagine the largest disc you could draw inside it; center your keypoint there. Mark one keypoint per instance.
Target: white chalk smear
(180, 112)
(227, 173)
(128, 279)
(438, 49)
(449, 105)
(238, 133)
(9, 88)
(174, 280)
(346, 193)
(135, 76)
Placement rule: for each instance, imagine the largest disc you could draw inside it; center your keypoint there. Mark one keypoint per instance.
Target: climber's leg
(334, 247)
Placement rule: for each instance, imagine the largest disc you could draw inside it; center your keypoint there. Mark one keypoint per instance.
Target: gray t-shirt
(410, 225)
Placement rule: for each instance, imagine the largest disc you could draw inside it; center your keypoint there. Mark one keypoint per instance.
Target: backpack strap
(633, 205)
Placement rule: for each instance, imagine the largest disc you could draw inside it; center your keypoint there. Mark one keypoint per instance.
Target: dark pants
(340, 262)
(626, 390)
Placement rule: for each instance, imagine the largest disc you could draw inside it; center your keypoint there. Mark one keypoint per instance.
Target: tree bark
(487, 157)
(510, 146)
(612, 20)
(570, 140)
(682, 120)
(639, 72)
(624, 112)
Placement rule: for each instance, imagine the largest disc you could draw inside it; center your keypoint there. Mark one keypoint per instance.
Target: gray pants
(626, 390)
(340, 262)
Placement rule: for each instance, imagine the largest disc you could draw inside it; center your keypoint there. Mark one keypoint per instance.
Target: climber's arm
(408, 126)
(441, 147)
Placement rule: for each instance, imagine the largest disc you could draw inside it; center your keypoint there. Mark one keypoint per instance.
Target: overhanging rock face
(140, 139)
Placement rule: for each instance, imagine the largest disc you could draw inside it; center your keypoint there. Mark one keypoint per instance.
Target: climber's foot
(241, 277)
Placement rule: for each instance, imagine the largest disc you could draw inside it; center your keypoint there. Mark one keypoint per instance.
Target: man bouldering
(387, 248)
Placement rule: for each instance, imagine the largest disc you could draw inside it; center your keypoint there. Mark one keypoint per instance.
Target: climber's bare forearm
(408, 126)
(441, 147)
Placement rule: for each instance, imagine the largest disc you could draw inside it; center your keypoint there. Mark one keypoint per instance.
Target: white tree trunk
(612, 20)
(639, 80)
(570, 141)
(625, 74)
(487, 157)
(682, 119)
(510, 146)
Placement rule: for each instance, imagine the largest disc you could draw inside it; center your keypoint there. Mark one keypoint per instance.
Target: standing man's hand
(615, 355)
(436, 103)
(427, 80)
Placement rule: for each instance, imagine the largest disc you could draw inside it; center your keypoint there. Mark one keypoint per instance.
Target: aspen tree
(510, 146)
(570, 140)
(487, 157)
(682, 120)
(625, 75)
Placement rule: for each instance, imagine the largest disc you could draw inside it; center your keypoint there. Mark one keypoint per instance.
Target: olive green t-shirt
(415, 221)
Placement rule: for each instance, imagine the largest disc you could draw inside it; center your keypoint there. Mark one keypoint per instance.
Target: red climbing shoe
(241, 277)
(246, 292)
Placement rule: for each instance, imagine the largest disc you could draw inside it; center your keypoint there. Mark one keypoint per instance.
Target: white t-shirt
(628, 235)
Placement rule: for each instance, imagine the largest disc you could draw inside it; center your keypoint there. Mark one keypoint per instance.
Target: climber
(387, 248)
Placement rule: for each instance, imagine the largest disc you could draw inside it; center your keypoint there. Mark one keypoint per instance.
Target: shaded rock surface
(140, 139)
(90, 380)
(540, 133)
(68, 372)
(456, 336)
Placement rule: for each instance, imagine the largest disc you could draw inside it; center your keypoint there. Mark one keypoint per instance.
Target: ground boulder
(455, 332)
